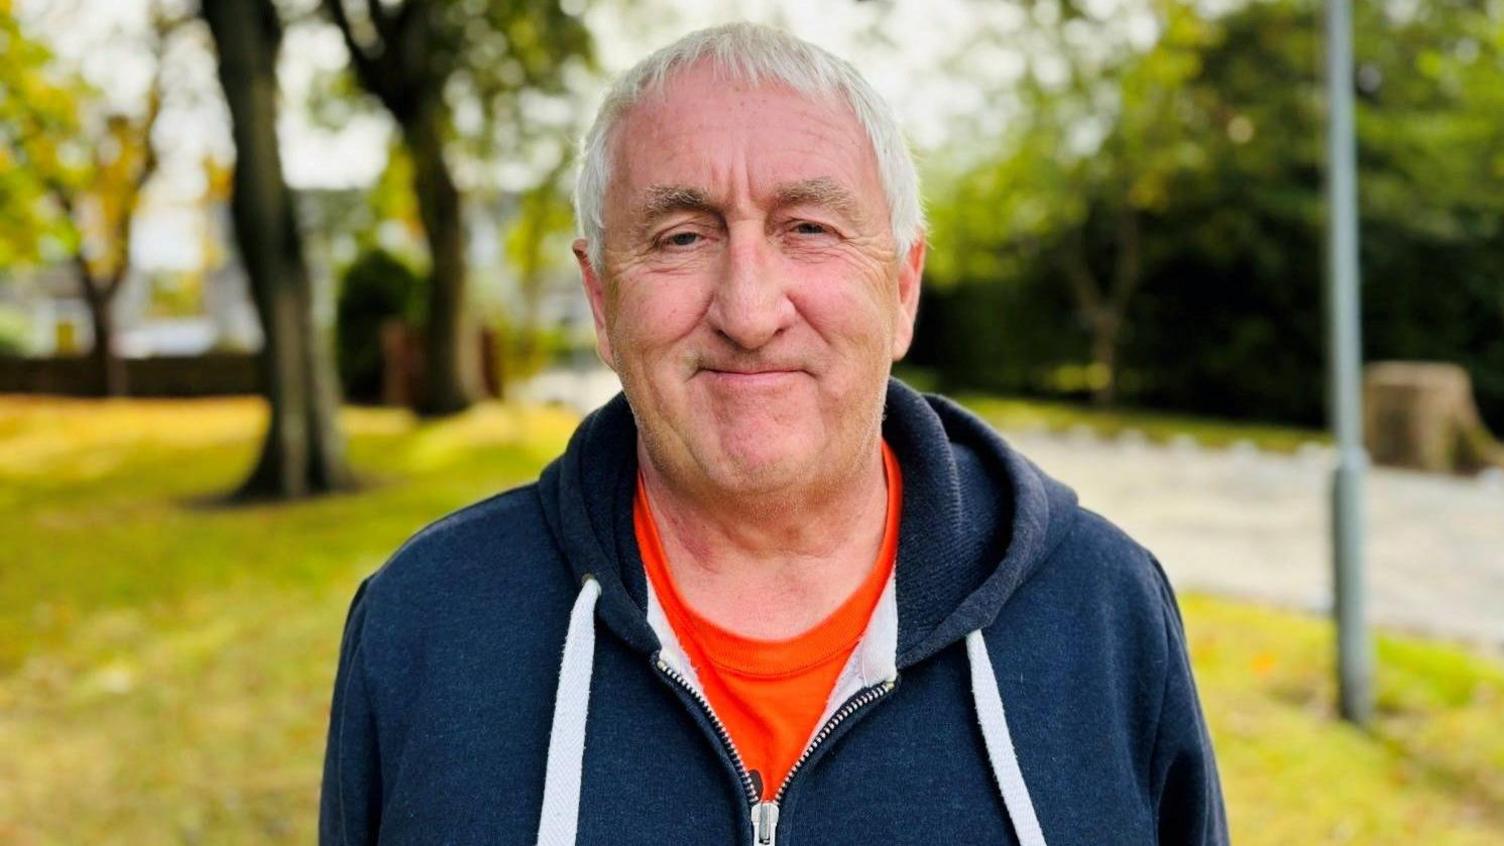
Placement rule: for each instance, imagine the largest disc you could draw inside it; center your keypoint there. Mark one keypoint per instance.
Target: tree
(1101, 140)
(412, 56)
(536, 246)
(121, 168)
(303, 452)
(36, 106)
(1208, 139)
(93, 168)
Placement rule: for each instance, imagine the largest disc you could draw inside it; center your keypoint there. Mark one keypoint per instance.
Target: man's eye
(807, 228)
(682, 239)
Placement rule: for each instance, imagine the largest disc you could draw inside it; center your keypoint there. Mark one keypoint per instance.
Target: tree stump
(1422, 415)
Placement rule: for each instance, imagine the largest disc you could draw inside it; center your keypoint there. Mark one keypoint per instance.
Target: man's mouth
(751, 376)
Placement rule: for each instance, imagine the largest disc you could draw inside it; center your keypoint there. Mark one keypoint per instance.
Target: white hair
(750, 53)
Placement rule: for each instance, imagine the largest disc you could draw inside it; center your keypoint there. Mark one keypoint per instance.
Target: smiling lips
(750, 377)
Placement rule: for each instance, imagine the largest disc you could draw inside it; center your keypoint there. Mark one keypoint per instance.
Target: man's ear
(910, 272)
(595, 292)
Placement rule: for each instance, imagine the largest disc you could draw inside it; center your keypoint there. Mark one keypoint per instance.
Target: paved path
(1250, 523)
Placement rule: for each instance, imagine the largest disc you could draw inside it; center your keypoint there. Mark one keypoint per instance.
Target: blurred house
(175, 300)
(187, 295)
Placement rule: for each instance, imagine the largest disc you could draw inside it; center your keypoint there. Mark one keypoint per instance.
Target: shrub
(376, 287)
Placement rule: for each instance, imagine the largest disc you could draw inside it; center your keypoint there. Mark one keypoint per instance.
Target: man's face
(750, 296)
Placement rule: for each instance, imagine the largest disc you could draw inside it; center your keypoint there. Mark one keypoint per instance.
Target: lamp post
(1354, 649)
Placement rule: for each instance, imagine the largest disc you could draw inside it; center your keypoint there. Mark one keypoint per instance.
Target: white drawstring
(566, 738)
(1000, 752)
(559, 821)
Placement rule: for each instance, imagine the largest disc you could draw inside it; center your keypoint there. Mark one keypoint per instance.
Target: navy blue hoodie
(450, 682)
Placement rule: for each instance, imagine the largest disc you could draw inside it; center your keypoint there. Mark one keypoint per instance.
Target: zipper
(720, 729)
(857, 702)
(765, 814)
(764, 824)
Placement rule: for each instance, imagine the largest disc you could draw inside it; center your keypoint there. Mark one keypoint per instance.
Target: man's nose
(751, 304)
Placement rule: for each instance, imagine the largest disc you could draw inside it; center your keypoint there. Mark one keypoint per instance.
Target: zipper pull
(764, 824)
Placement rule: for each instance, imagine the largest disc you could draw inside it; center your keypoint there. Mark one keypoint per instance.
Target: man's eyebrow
(659, 200)
(819, 191)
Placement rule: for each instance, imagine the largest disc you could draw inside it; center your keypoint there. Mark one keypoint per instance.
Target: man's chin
(759, 472)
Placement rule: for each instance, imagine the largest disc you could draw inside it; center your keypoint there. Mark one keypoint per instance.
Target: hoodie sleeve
(1187, 790)
(350, 800)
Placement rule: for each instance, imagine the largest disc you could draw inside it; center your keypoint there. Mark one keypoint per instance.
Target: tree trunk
(450, 376)
(1102, 316)
(1105, 312)
(1106, 329)
(109, 370)
(107, 363)
(304, 452)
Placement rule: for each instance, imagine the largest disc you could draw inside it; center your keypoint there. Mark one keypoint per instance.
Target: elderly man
(769, 595)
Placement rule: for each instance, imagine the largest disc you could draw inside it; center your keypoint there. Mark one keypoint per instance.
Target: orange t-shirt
(770, 693)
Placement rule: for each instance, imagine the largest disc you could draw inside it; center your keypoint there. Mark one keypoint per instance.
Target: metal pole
(1354, 650)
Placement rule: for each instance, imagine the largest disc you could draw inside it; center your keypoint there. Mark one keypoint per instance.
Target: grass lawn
(165, 663)
(1156, 426)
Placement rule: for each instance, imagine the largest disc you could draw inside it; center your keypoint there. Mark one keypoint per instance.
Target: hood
(978, 520)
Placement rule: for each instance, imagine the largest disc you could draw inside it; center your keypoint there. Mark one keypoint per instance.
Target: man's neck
(773, 568)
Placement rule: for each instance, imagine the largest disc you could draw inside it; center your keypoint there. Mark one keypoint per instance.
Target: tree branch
(365, 63)
(163, 28)
(379, 20)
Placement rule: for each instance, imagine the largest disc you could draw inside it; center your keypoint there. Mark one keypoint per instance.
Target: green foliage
(38, 150)
(543, 225)
(482, 65)
(995, 333)
(377, 287)
(536, 244)
(525, 350)
(1210, 144)
(478, 72)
